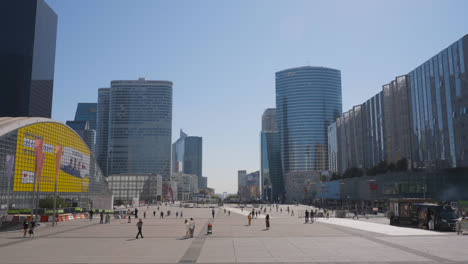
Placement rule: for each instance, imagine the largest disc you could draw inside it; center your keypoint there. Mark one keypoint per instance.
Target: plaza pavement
(288, 241)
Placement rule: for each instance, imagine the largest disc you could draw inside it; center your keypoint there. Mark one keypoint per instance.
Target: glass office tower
(102, 131)
(87, 112)
(140, 127)
(187, 154)
(272, 186)
(27, 58)
(308, 99)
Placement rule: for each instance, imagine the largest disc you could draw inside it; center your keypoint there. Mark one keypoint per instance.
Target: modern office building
(187, 154)
(88, 135)
(240, 178)
(204, 184)
(420, 117)
(102, 128)
(249, 187)
(140, 126)
(187, 185)
(87, 112)
(438, 102)
(27, 58)
(127, 188)
(332, 149)
(79, 180)
(272, 185)
(308, 100)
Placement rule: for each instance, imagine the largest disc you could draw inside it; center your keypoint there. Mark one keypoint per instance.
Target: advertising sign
(73, 175)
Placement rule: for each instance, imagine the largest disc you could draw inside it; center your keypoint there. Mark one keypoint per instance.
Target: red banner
(58, 158)
(39, 148)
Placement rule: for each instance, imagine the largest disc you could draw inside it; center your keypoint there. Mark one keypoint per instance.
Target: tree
(335, 176)
(391, 167)
(353, 172)
(48, 202)
(371, 171)
(402, 164)
(382, 167)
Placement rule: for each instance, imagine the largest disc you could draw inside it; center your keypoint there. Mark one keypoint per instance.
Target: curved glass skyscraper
(308, 99)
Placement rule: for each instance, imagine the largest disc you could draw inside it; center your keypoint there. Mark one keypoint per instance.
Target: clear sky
(222, 57)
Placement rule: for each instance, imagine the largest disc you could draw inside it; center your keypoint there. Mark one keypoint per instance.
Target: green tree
(382, 167)
(402, 164)
(48, 202)
(353, 172)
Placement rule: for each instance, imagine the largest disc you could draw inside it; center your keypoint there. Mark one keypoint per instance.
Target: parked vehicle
(422, 213)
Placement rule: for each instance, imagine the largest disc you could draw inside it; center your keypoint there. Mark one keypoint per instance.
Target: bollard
(209, 230)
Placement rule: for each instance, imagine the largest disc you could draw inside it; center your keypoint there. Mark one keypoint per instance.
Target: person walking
(154, 213)
(306, 218)
(25, 227)
(355, 216)
(181, 214)
(31, 228)
(229, 213)
(108, 218)
(249, 217)
(129, 216)
(192, 227)
(267, 222)
(102, 218)
(139, 226)
(312, 215)
(144, 215)
(176, 214)
(136, 213)
(161, 215)
(90, 215)
(187, 228)
(213, 212)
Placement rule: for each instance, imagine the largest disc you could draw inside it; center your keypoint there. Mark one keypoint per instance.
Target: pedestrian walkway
(379, 228)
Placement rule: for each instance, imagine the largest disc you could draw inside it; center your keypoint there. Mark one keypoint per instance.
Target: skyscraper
(187, 154)
(87, 112)
(272, 186)
(88, 135)
(140, 127)
(308, 99)
(102, 128)
(27, 58)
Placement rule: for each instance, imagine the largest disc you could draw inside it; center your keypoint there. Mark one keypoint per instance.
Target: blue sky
(222, 56)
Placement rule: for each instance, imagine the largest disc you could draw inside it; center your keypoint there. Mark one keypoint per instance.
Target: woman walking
(267, 221)
(187, 229)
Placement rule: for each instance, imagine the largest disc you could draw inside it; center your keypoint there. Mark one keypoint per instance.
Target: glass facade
(438, 100)
(187, 154)
(308, 100)
(140, 127)
(272, 185)
(80, 181)
(271, 171)
(127, 187)
(87, 112)
(88, 135)
(27, 59)
(360, 138)
(420, 116)
(102, 132)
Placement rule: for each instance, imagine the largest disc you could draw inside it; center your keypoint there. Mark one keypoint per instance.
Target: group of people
(255, 214)
(29, 225)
